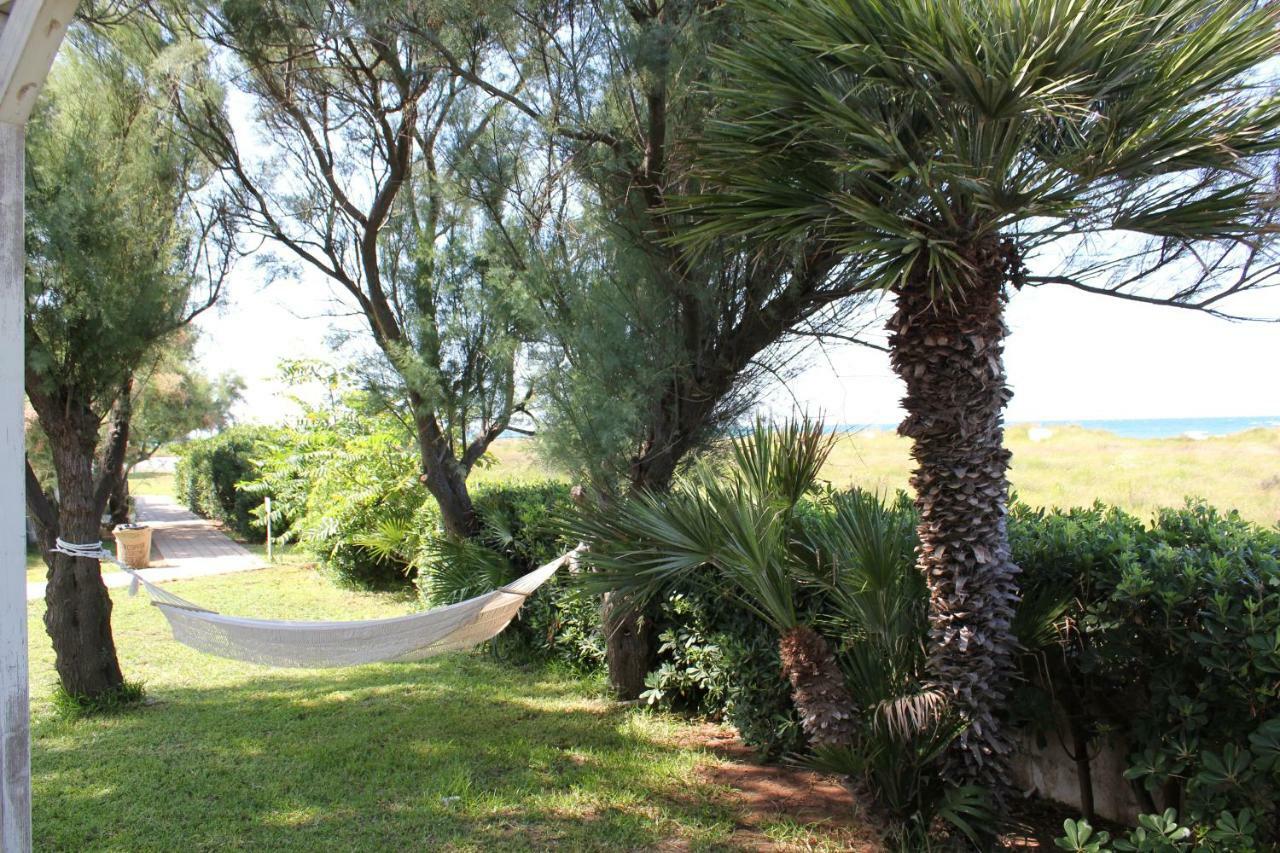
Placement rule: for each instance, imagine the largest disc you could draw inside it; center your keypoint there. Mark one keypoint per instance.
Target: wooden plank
(15, 738)
(29, 40)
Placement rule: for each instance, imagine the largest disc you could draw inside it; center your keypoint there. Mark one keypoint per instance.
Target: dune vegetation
(1071, 466)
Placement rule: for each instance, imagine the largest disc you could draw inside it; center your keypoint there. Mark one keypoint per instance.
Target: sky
(1070, 356)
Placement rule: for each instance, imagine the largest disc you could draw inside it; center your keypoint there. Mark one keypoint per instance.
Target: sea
(1136, 428)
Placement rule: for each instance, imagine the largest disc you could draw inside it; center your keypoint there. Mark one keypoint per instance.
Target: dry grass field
(1075, 466)
(1071, 467)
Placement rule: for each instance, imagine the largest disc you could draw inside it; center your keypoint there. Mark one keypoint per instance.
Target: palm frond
(455, 569)
(908, 715)
(899, 131)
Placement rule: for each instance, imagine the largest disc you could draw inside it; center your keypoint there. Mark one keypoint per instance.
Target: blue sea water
(1139, 428)
(1174, 427)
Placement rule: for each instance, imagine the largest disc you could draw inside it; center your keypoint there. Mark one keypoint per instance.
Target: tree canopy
(124, 248)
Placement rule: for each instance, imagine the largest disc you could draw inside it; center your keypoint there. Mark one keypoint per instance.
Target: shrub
(721, 661)
(523, 521)
(345, 485)
(211, 471)
(1175, 646)
(520, 530)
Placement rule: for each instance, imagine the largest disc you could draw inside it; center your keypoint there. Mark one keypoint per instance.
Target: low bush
(345, 485)
(721, 661)
(1169, 640)
(210, 474)
(520, 530)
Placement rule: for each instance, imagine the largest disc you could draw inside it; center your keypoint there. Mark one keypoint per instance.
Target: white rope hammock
(332, 644)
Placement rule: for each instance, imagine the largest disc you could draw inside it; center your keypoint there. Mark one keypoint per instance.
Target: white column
(15, 736)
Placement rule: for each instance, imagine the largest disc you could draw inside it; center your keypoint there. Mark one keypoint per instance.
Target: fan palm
(940, 145)
(738, 531)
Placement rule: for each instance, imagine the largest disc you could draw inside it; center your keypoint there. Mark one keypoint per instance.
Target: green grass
(151, 483)
(455, 753)
(1075, 467)
(285, 556)
(35, 566)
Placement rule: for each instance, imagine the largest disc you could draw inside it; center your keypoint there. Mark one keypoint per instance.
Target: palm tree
(738, 531)
(942, 145)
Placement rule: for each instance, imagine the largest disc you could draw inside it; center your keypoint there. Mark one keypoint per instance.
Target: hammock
(332, 644)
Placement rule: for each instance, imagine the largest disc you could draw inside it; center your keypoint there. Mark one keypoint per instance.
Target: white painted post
(15, 737)
(30, 33)
(269, 530)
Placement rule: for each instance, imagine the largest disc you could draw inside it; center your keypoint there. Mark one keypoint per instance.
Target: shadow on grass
(458, 753)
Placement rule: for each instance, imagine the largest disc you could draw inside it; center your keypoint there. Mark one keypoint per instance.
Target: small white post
(269, 530)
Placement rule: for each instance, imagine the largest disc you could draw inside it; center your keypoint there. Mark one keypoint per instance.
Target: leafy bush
(211, 471)
(520, 530)
(1174, 645)
(344, 483)
(722, 662)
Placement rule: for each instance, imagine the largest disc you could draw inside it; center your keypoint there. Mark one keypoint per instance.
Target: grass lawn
(285, 556)
(151, 483)
(455, 753)
(35, 566)
(1074, 467)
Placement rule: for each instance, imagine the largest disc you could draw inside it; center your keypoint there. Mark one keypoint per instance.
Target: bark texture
(446, 479)
(78, 608)
(817, 687)
(114, 478)
(629, 647)
(947, 345)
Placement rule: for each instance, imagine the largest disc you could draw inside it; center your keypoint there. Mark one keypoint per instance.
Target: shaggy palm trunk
(77, 606)
(947, 346)
(817, 687)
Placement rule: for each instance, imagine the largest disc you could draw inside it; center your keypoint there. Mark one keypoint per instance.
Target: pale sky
(1070, 356)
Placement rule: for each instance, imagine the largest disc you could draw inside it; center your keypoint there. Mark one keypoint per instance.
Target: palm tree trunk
(817, 687)
(947, 344)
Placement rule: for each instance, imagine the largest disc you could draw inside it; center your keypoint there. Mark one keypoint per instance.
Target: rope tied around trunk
(95, 551)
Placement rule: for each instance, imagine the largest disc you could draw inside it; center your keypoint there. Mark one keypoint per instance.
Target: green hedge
(210, 474)
(1164, 636)
(1173, 646)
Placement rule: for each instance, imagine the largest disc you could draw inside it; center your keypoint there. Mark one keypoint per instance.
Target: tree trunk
(78, 608)
(113, 478)
(445, 479)
(817, 687)
(118, 501)
(630, 647)
(947, 344)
